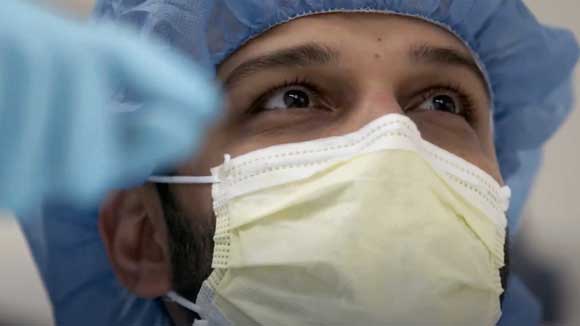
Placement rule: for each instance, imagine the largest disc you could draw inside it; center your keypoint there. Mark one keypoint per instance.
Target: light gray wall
(550, 229)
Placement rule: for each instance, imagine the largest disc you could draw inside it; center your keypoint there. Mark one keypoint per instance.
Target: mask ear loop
(211, 179)
(172, 296)
(189, 306)
(184, 179)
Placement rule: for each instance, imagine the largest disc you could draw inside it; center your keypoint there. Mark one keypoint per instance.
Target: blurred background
(547, 249)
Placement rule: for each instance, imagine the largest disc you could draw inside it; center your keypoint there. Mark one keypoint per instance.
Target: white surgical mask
(376, 227)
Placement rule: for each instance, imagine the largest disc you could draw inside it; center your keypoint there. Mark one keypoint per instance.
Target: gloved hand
(62, 135)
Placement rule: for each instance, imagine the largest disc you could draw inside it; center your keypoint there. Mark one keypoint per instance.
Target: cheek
(196, 201)
(279, 127)
(455, 135)
(210, 153)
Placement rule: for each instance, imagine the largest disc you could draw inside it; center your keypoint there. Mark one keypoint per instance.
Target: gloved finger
(155, 72)
(60, 131)
(175, 105)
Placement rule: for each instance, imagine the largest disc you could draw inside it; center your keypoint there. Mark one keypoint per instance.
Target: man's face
(329, 75)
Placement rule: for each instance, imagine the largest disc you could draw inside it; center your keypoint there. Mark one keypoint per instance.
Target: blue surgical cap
(528, 67)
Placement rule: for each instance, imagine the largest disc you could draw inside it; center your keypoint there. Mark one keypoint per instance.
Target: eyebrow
(305, 55)
(311, 54)
(426, 54)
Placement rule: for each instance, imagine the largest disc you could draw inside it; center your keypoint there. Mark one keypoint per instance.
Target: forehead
(349, 33)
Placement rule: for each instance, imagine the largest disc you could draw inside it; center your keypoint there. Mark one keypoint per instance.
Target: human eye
(297, 95)
(449, 99)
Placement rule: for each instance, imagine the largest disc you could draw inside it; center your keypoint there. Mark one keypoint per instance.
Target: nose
(373, 102)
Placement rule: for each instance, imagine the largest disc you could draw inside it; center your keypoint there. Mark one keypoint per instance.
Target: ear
(133, 229)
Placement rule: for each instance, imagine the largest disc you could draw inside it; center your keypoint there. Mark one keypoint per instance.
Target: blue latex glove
(61, 134)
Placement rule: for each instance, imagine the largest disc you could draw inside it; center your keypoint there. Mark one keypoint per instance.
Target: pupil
(296, 99)
(444, 103)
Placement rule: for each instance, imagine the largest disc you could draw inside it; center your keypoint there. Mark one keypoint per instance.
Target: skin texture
(371, 74)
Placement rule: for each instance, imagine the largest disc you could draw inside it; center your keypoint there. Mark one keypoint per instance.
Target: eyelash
(466, 101)
(299, 81)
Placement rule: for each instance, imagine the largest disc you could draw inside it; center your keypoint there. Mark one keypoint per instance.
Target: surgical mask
(376, 227)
